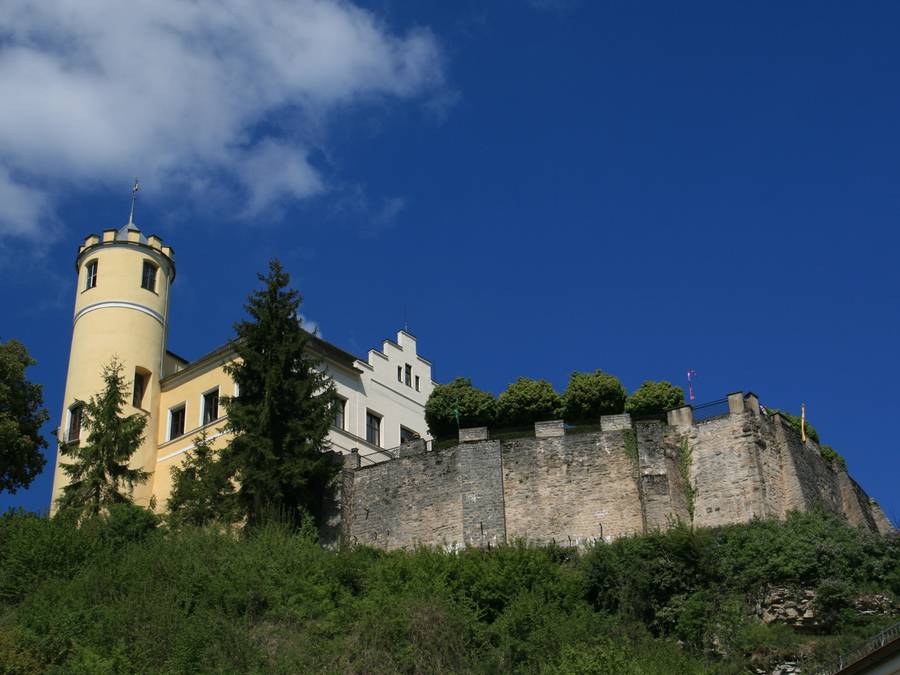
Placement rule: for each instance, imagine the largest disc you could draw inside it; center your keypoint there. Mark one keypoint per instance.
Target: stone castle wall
(630, 477)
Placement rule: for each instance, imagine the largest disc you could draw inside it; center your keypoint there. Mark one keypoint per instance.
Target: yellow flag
(803, 421)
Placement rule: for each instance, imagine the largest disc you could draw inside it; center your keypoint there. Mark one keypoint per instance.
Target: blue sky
(535, 188)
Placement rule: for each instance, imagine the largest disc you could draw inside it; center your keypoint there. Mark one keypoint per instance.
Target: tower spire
(134, 191)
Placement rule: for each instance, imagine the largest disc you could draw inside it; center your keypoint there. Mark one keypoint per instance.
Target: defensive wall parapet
(574, 485)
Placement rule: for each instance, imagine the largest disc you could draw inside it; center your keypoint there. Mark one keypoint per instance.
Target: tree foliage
(99, 475)
(282, 415)
(21, 415)
(527, 401)
(456, 405)
(590, 395)
(652, 398)
(203, 492)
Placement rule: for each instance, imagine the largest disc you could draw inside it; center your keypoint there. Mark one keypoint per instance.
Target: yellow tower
(121, 310)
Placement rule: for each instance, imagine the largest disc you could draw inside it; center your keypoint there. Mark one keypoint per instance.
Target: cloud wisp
(188, 94)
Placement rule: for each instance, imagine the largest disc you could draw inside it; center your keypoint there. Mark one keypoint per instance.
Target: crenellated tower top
(129, 235)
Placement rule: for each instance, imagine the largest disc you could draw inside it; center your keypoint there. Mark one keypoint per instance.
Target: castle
(121, 310)
(563, 484)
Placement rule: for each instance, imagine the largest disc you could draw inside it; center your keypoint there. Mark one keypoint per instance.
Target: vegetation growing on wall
(121, 594)
(527, 401)
(796, 422)
(653, 398)
(684, 469)
(458, 404)
(590, 395)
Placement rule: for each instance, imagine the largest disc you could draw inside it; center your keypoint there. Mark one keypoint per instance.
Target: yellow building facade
(121, 312)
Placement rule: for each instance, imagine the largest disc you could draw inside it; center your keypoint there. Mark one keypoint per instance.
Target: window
(408, 376)
(373, 428)
(74, 431)
(399, 374)
(211, 406)
(90, 279)
(140, 386)
(340, 407)
(417, 383)
(148, 276)
(176, 422)
(407, 435)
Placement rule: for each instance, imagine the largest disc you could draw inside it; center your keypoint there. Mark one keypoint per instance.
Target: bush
(652, 398)
(833, 458)
(590, 395)
(200, 600)
(476, 408)
(527, 401)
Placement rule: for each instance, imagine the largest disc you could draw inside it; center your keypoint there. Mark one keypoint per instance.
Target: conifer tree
(202, 490)
(282, 413)
(100, 475)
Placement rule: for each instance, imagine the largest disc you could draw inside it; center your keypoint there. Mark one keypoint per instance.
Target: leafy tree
(654, 397)
(458, 404)
(202, 490)
(284, 410)
(21, 416)
(99, 475)
(527, 401)
(590, 395)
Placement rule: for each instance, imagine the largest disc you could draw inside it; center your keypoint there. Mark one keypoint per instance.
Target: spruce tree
(282, 413)
(100, 475)
(202, 490)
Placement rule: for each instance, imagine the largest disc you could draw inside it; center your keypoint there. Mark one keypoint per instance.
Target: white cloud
(186, 93)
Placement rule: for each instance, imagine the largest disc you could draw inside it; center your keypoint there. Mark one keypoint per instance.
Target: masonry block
(473, 434)
(615, 422)
(549, 429)
(736, 402)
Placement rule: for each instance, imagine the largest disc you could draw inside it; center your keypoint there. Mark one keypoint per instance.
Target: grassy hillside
(123, 595)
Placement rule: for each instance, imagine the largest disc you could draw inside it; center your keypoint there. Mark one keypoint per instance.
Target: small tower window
(408, 375)
(74, 430)
(148, 276)
(90, 279)
(141, 378)
(399, 373)
(417, 383)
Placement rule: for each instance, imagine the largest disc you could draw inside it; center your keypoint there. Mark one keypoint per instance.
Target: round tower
(121, 310)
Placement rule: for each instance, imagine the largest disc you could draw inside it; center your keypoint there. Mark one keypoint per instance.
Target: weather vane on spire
(134, 191)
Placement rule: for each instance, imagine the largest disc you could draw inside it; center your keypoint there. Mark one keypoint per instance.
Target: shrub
(652, 398)
(527, 401)
(475, 408)
(590, 395)
(833, 458)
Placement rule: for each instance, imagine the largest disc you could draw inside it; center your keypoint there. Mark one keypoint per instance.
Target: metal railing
(706, 411)
(886, 636)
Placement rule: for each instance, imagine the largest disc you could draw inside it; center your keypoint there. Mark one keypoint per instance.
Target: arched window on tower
(90, 275)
